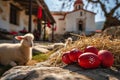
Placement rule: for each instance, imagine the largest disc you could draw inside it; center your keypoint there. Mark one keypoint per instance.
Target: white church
(77, 21)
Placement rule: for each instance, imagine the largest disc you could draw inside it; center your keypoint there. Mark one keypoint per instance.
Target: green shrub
(40, 57)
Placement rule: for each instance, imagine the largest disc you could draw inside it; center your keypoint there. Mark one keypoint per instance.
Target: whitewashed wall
(60, 24)
(90, 22)
(73, 18)
(5, 15)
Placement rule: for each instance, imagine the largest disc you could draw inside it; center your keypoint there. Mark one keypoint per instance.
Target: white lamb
(19, 53)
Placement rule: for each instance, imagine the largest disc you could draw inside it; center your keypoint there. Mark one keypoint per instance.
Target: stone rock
(95, 74)
(69, 72)
(41, 73)
(43, 64)
(56, 46)
(40, 49)
(47, 48)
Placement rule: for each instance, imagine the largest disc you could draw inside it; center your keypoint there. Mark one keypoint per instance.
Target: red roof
(98, 31)
(78, 2)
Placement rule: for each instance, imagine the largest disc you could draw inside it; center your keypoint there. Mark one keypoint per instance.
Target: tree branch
(114, 9)
(117, 1)
(117, 15)
(101, 4)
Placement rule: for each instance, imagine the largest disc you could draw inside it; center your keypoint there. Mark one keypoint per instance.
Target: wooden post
(44, 36)
(39, 28)
(52, 32)
(30, 16)
(44, 28)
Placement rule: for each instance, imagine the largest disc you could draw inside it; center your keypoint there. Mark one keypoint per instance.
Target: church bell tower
(78, 5)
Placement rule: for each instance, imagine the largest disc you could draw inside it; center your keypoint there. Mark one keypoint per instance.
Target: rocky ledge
(69, 72)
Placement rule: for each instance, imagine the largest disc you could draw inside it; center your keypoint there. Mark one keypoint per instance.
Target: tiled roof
(78, 2)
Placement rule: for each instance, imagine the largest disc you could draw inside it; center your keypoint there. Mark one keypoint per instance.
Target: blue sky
(55, 5)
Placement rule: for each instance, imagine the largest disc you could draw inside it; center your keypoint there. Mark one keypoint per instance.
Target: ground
(36, 70)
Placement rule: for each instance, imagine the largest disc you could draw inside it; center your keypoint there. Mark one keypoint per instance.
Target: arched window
(79, 7)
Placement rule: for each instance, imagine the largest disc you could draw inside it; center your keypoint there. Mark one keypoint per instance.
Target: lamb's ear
(19, 37)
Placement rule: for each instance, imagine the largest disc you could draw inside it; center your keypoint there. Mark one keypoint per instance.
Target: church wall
(72, 20)
(90, 22)
(77, 20)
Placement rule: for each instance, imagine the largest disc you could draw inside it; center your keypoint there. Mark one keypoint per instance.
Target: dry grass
(99, 42)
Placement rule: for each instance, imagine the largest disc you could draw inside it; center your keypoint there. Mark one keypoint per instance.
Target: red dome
(78, 2)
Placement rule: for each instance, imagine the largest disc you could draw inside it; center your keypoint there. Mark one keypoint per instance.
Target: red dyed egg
(74, 54)
(65, 58)
(91, 49)
(106, 58)
(88, 60)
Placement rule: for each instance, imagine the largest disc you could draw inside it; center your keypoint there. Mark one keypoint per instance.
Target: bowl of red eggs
(89, 58)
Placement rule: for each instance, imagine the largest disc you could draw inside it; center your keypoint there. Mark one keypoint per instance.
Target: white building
(13, 22)
(78, 20)
(14, 17)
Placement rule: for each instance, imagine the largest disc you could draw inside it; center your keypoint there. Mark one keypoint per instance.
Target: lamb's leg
(12, 63)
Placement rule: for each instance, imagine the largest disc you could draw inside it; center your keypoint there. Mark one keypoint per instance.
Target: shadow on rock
(95, 74)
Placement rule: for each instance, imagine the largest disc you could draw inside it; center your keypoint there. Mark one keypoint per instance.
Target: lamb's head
(26, 40)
